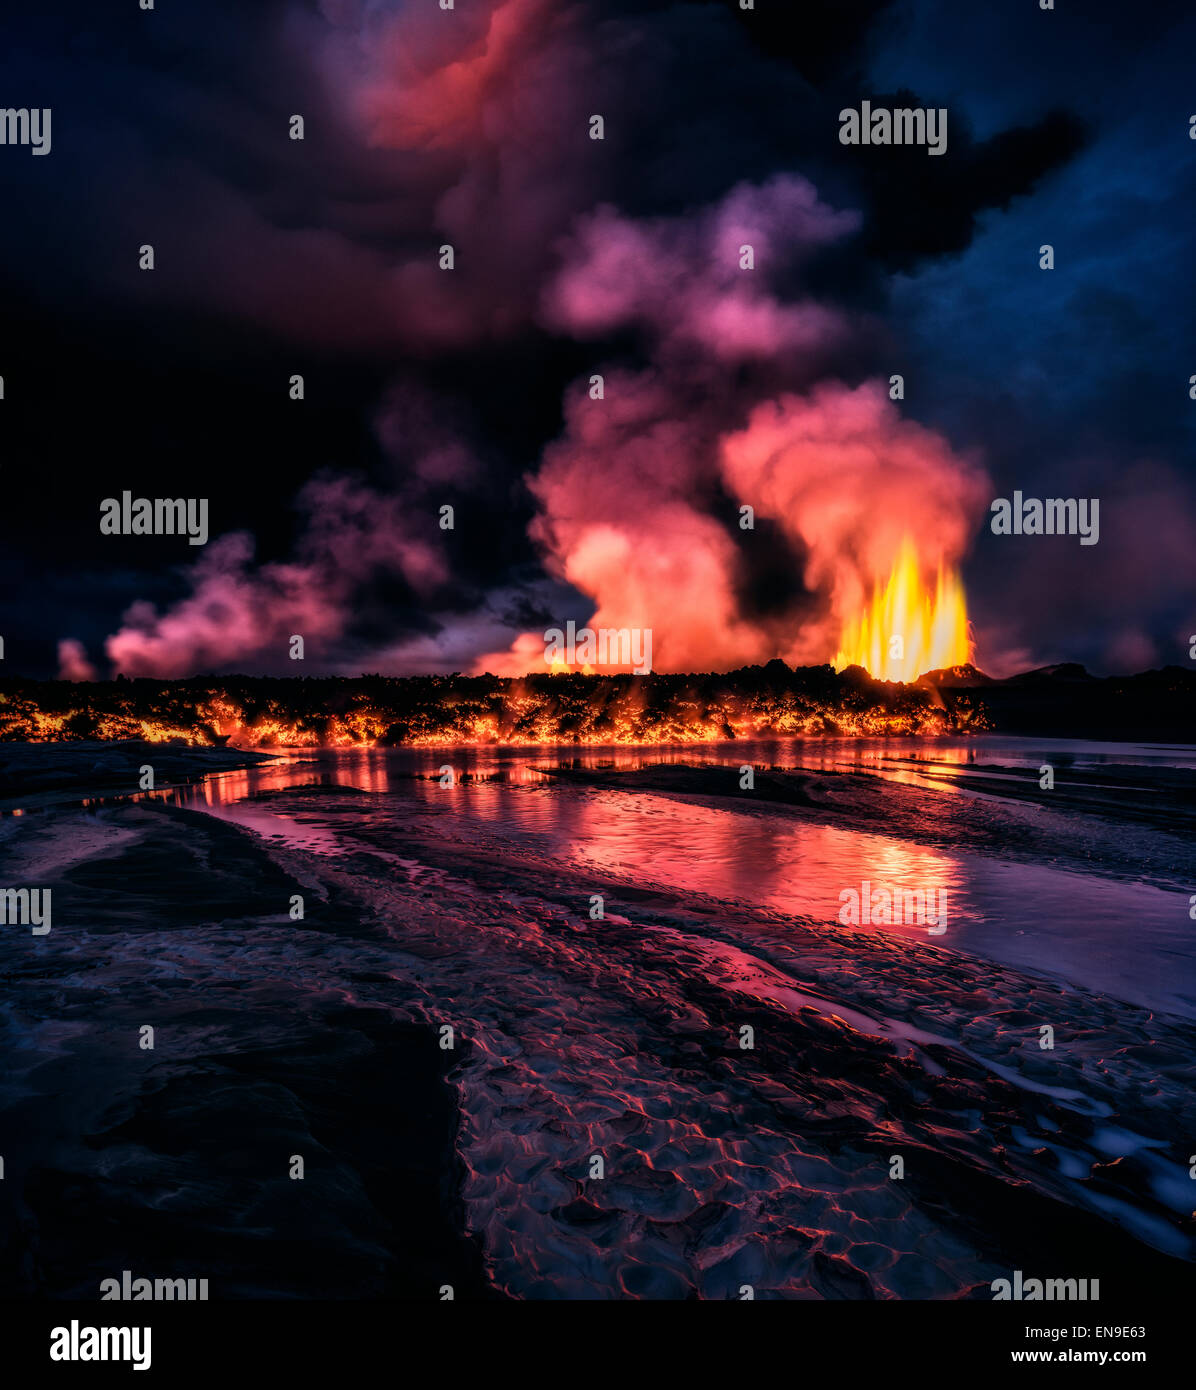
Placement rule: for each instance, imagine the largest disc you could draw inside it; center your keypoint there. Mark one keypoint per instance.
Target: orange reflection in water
(791, 866)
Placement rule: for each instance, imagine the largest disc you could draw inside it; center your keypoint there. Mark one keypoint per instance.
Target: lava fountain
(908, 627)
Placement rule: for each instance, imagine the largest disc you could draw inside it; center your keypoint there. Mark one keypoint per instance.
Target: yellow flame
(909, 628)
(558, 666)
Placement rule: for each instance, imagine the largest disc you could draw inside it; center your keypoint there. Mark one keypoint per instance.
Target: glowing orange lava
(909, 627)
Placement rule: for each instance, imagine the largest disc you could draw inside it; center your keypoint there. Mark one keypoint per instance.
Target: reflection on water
(1123, 937)
(792, 866)
(467, 903)
(942, 763)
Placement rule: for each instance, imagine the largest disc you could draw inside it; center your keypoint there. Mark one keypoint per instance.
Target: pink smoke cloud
(488, 109)
(436, 80)
(424, 127)
(839, 471)
(73, 664)
(238, 613)
(483, 114)
(683, 278)
(844, 474)
(634, 509)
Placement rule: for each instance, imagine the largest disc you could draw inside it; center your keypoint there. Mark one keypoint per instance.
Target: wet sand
(35, 775)
(573, 1038)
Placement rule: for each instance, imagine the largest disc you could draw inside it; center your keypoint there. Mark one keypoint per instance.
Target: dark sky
(469, 387)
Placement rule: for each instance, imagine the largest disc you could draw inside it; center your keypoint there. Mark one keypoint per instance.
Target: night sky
(470, 387)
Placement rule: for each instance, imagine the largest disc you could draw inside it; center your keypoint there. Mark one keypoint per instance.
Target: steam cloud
(640, 497)
(743, 392)
(236, 612)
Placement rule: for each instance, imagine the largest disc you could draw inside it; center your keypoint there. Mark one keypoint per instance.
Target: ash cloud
(238, 613)
(639, 499)
(573, 257)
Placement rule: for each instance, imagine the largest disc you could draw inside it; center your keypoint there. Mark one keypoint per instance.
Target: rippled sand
(574, 1039)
